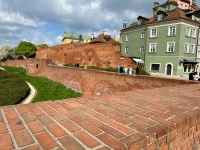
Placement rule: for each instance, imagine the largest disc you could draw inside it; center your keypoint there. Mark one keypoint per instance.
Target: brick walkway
(116, 121)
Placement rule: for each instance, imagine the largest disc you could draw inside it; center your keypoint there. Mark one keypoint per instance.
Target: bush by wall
(12, 89)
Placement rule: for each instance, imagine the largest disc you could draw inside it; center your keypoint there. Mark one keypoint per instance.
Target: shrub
(12, 89)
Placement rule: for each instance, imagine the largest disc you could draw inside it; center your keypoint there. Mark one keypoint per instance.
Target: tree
(43, 46)
(26, 49)
(133, 23)
(6, 52)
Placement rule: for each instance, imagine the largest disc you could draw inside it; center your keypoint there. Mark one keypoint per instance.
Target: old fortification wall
(161, 119)
(98, 54)
(95, 82)
(15, 63)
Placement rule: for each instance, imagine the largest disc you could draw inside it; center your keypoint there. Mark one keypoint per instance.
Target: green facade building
(167, 43)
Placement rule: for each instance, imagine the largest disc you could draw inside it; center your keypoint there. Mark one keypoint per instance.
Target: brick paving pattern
(116, 121)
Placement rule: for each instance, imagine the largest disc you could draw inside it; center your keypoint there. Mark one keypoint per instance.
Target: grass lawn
(46, 88)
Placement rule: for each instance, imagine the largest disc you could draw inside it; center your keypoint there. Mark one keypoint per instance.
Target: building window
(199, 41)
(89, 59)
(126, 50)
(139, 21)
(127, 37)
(155, 67)
(198, 54)
(185, 6)
(152, 47)
(36, 65)
(159, 17)
(141, 48)
(193, 33)
(142, 35)
(193, 17)
(170, 46)
(65, 54)
(153, 33)
(181, 6)
(167, 7)
(187, 31)
(172, 31)
(187, 68)
(186, 48)
(192, 47)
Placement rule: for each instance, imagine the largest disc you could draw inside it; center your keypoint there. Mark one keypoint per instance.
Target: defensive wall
(133, 112)
(95, 54)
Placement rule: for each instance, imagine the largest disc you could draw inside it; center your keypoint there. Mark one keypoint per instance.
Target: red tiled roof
(100, 39)
(195, 7)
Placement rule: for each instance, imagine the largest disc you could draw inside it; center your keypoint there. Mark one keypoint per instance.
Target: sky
(45, 21)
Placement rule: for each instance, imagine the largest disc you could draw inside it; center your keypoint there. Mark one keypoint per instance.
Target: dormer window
(139, 21)
(193, 17)
(159, 17)
(167, 7)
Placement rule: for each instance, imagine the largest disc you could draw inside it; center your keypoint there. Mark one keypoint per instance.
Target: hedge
(12, 89)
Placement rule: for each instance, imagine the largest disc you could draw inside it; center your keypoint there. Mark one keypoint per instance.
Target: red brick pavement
(125, 120)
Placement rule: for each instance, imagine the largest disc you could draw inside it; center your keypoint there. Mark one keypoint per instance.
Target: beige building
(69, 37)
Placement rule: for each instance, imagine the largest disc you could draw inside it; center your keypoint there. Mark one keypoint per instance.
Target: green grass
(46, 88)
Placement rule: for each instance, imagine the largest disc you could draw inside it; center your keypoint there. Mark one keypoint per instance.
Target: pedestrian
(77, 65)
(196, 77)
(121, 69)
(118, 68)
(85, 66)
(137, 69)
(191, 75)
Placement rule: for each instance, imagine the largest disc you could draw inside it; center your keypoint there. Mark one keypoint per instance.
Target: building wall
(99, 54)
(134, 43)
(95, 82)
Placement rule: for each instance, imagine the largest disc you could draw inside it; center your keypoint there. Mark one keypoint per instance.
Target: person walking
(137, 69)
(191, 75)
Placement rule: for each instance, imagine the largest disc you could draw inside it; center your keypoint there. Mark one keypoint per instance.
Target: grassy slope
(46, 88)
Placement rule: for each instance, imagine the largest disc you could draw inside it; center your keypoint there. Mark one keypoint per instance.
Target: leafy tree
(6, 52)
(27, 49)
(133, 23)
(43, 46)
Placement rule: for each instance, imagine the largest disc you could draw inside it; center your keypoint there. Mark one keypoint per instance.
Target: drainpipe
(197, 47)
(145, 46)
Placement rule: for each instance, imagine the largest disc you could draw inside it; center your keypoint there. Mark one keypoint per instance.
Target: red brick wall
(15, 63)
(98, 54)
(95, 82)
(180, 132)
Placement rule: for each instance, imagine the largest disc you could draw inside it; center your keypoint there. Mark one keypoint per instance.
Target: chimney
(92, 37)
(156, 4)
(104, 32)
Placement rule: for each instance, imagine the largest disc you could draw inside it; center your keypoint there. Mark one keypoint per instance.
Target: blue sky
(44, 21)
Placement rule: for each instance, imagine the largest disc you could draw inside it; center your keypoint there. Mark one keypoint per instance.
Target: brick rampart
(98, 54)
(95, 82)
(163, 115)
(15, 63)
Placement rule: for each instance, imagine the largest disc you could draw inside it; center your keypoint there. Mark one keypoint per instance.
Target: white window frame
(199, 41)
(198, 54)
(153, 33)
(150, 48)
(186, 50)
(159, 17)
(139, 21)
(192, 48)
(170, 49)
(187, 31)
(194, 31)
(172, 30)
(127, 37)
(155, 64)
(187, 71)
(141, 48)
(167, 7)
(142, 35)
(126, 49)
